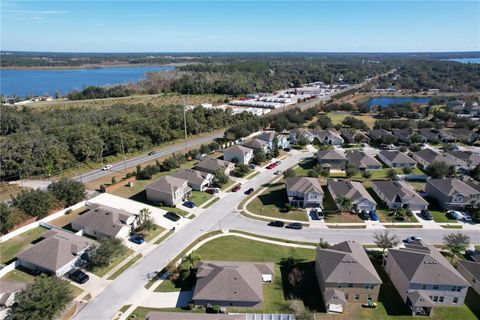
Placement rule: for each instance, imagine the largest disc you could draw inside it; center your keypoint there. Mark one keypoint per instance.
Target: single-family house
(396, 159)
(380, 135)
(455, 106)
(345, 274)
(238, 154)
(274, 140)
(304, 192)
(353, 190)
(161, 315)
(435, 135)
(102, 221)
(468, 159)
(295, 134)
(197, 180)
(329, 137)
(462, 134)
(424, 278)
(57, 253)
(168, 190)
(427, 156)
(333, 159)
(354, 136)
(231, 284)
(470, 270)
(363, 161)
(403, 135)
(453, 193)
(213, 165)
(399, 194)
(257, 145)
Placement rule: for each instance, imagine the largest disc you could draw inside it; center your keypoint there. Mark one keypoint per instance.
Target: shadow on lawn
(300, 283)
(389, 296)
(276, 198)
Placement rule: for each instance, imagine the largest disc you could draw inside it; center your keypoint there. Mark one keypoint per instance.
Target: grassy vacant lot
(199, 197)
(304, 166)
(10, 248)
(337, 117)
(7, 191)
(272, 202)
(100, 272)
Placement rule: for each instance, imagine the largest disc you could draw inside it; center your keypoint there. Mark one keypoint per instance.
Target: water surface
(385, 101)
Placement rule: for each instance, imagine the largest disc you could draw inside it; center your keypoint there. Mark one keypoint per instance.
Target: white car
(457, 215)
(318, 212)
(107, 167)
(413, 238)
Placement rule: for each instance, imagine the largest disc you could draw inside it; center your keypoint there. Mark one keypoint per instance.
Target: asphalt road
(223, 214)
(120, 166)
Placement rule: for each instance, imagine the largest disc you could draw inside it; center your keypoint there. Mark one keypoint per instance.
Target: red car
(271, 166)
(236, 188)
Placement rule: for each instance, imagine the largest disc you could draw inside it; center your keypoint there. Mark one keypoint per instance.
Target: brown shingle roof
(104, 219)
(397, 157)
(212, 164)
(192, 176)
(330, 155)
(167, 184)
(401, 189)
(303, 185)
(353, 190)
(361, 159)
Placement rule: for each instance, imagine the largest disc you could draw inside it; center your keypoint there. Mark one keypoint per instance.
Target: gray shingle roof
(155, 315)
(191, 175)
(230, 281)
(453, 186)
(472, 267)
(430, 155)
(255, 144)
(361, 159)
(394, 189)
(303, 185)
(424, 264)
(379, 133)
(397, 157)
(267, 136)
(104, 219)
(212, 164)
(346, 262)
(57, 248)
(335, 296)
(239, 150)
(351, 189)
(167, 184)
(330, 155)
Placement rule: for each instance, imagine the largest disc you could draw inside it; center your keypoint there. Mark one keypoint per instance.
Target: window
(455, 300)
(457, 198)
(440, 299)
(435, 299)
(339, 285)
(346, 296)
(435, 287)
(459, 289)
(369, 286)
(350, 285)
(424, 286)
(357, 297)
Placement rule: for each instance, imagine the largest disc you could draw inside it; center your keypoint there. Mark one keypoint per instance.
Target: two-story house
(257, 145)
(274, 140)
(238, 154)
(399, 194)
(453, 194)
(300, 133)
(197, 180)
(396, 159)
(332, 159)
(353, 190)
(424, 278)
(168, 190)
(346, 275)
(427, 156)
(363, 161)
(329, 137)
(304, 192)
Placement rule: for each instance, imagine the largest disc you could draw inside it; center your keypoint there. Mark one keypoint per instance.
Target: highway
(224, 214)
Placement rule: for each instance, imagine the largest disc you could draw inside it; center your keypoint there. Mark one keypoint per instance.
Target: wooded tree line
(47, 141)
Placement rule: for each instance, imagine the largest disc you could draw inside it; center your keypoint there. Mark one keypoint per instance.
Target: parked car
(467, 217)
(472, 255)
(107, 167)
(78, 276)
(456, 215)
(373, 216)
(287, 149)
(413, 238)
(318, 213)
(364, 215)
(249, 191)
(151, 153)
(189, 204)
(278, 162)
(172, 216)
(252, 166)
(276, 223)
(271, 166)
(212, 190)
(136, 238)
(294, 225)
(277, 172)
(236, 188)
(425, 214)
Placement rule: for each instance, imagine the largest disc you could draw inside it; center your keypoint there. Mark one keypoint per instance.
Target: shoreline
(95, 66)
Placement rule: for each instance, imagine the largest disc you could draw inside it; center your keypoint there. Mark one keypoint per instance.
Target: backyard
(65, 220)
(10, 248)
(272, 203)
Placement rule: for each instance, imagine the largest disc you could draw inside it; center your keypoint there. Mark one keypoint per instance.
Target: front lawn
(100, 272)
(153, 233)
(441, 216)
(178, 211)
(383, 212)
(304, 166)
(127, 265)
(272, 203)
(199, 197)
(10, 248)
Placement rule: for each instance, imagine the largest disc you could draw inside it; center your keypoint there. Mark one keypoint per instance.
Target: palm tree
(143, 215)
(147, 225)
(345, 203)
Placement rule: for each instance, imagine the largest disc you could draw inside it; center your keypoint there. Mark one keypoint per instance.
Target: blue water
(385, 101)
(47, 82)
(466, 60)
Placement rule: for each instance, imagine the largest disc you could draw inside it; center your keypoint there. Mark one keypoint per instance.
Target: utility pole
(185, 124)
(284, 96)
(123, 151)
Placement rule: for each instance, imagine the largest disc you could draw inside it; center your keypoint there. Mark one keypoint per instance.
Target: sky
(247, 26)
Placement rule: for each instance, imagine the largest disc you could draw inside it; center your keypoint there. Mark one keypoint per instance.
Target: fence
(8, 268)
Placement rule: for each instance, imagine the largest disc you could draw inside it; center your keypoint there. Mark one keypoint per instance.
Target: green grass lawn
(199, 197)
(441, 216)
(304, 166)
(178, 211)
(165, 236)
(383, 212)
(211, 202)
(100, 272)
(64, 221)
(337, 117)
(10, 248)
(272, 202)
(229, 184)
(153, 233)
(125, 267)
(381, 174)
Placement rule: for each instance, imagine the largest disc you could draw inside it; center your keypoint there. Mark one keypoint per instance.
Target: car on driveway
(172, 216)
(78, 276)
(318, 213)
(294, 225)
(456, 215)
(236, 188)
(107, 167)
(136, 238)
(151, 153)
(276, 223)
(212, 190)
(364, 215)
(287, 149)
(472, 255)
(373, 216)
(467, 217)
(412, 238)
(189, 204)
(252, 166)
(249, 191)
(426, 215)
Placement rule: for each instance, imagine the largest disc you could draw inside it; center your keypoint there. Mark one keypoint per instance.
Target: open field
(10, 248)
(7, 191)
(338, 116)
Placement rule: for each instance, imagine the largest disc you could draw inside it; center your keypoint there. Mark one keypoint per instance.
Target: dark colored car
(236, 188)
(189, 204)
(249, 191)
(425, 214)
(78, 276)
(136, 238)
(473, 255)
(287, 149)
(373, 216)
(278, 162)
(294, 225)
(364, 215)
(278, 224)
(172, 216)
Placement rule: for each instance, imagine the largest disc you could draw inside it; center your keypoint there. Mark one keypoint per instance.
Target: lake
(47, 82)
(385, 101)
(465, 60)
